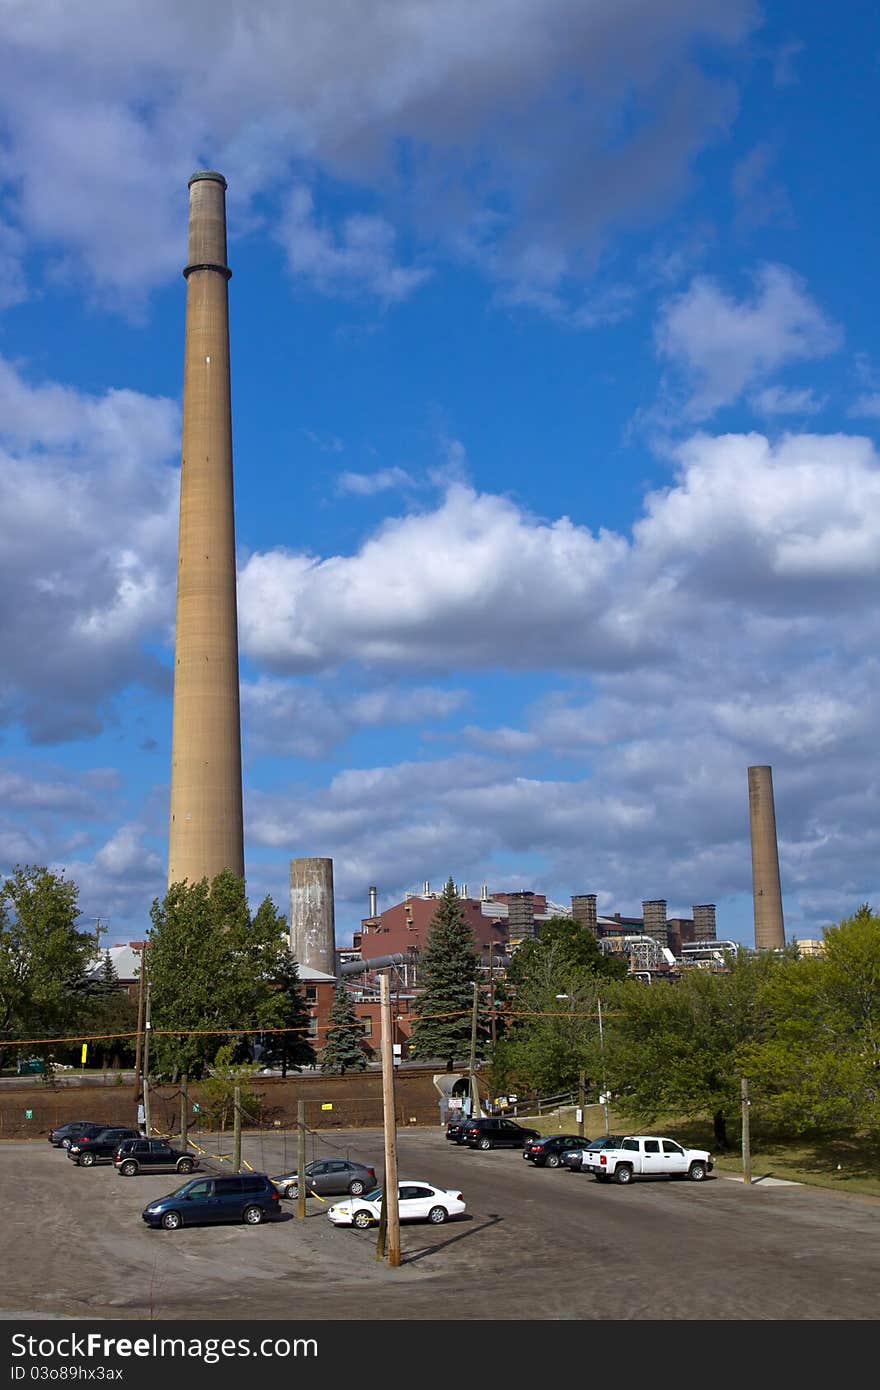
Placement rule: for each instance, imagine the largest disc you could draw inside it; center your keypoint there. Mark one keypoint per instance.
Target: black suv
(497, 1133)
(152, 1155)
(87, 1149)
(247, 1197)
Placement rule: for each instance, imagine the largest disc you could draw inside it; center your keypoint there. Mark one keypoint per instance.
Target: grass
(847, 1163)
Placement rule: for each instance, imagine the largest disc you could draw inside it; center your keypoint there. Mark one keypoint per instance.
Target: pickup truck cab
(645, 1155)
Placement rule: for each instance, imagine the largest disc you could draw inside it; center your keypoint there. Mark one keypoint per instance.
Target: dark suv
(153, 1156)
(497, 1133)
(248, 1197)
(87, 1149)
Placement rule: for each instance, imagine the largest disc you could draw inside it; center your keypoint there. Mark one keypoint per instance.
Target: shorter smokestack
(463, 893)
(427, 888)
(372, 902)
(484, 893)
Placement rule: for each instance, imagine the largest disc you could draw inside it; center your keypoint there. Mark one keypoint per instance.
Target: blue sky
(555, 400)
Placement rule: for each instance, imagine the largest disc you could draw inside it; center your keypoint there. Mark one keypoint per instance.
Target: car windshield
(374, 1196)
(187, 1187)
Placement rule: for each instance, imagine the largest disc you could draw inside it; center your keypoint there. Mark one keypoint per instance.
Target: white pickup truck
(640, 1155)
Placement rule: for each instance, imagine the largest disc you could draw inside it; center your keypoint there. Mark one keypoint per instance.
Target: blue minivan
(248, 1197)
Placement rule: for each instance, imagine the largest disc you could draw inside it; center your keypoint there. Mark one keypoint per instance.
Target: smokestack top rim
(211, 174)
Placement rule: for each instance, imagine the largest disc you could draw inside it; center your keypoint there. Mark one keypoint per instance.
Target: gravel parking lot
(535, 1244)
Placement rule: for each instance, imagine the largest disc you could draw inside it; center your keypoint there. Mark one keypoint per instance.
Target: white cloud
(520, 106)
(309, 720)
(86, 561)
(360, 259)
(867, 405)
(368, 484)
(775, 400)
(792, 528)
(722, 346)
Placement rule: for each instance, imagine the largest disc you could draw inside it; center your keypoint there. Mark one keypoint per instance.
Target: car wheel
(171, 1220)
(185, 1165)
(252, 1216)
(552, 1160)
(65, 1143)
(485, 1143)
(292, 1191)
(623, 1173)
(86, 1160)
(362, 1219)
(356, 1187)
(697, 1172)
(128, 1169)
(437, 1215)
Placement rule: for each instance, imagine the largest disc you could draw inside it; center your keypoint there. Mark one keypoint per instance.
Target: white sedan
(417, 1201)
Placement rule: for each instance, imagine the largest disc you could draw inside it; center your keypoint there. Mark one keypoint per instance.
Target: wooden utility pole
(301, 1160)
(184, 1110)
(746, 1138)
(142, 947)
(492, 989)
(389, 1186)
(602, 1052)
(147, 1027)
(472, 1065)
(582, 1100)
(236, 1130)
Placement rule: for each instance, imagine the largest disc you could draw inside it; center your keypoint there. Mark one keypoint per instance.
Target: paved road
(536, 1244)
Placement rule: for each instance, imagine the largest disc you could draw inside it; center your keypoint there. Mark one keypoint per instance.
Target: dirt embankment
(350, 1102)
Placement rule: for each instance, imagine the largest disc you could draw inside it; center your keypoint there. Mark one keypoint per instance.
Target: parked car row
(246, 1197)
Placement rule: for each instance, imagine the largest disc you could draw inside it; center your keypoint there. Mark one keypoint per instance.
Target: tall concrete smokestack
(312, 918)
(206, 829)
(766, 890)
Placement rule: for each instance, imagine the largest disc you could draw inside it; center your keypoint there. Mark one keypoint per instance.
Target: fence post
(236, 1131)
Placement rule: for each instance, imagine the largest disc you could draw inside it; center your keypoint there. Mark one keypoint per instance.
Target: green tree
(291, 1050)
(43, 956)
(218, 1089)
(108, 1013)
(211, 968)
(342, 1048)
(448, 967)
(820, 1066)
(556, 980)
(678, 1048)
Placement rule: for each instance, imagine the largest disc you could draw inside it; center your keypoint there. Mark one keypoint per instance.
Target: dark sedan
(61, 1135)
(547, 1152)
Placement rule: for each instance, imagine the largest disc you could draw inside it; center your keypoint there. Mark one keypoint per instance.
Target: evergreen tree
(342, 1049)
(448, 967)
(289, 1050)
(108, 1013)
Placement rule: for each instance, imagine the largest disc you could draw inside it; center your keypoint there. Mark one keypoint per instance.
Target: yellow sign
(84, 1052)
(327, 1107)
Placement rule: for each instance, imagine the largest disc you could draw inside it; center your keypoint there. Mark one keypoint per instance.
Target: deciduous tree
(43, 955)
